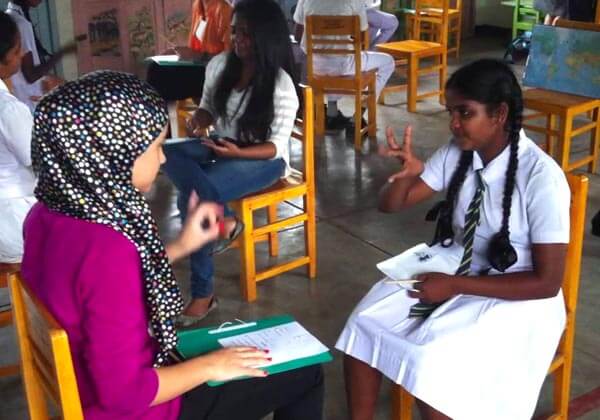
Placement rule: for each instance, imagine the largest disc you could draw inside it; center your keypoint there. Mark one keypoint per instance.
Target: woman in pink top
(94, 257)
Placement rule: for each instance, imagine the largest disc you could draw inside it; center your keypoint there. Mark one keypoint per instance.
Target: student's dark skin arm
(32, 73)
(405, 189)
(543, 281)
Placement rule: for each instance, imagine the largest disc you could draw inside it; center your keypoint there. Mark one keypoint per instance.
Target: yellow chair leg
(372, 110)
(413, 64)
(273, 239)
(595, 140)
(402, 402)
(357, 121)
(248, 272)
(319, 113)
(550, 125)
(443, 75)
(564, 141)
(310, 233)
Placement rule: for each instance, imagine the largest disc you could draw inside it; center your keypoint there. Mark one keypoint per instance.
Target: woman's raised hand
(233, 362)
(412, 166)
(201, 224)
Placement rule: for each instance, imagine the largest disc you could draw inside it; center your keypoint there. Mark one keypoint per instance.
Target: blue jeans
(193, 166)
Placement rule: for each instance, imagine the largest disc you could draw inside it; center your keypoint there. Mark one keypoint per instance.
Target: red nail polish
(265, 373)
(269, 359)
(266, 351)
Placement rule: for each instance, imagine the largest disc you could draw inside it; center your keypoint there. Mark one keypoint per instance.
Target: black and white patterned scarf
(86, 136)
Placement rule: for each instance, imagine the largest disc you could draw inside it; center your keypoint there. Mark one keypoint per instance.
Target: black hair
(272, 51)
(42, 52)
(492, 83)
(9, 33)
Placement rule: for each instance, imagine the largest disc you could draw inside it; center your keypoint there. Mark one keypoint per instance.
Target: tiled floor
(352, 237)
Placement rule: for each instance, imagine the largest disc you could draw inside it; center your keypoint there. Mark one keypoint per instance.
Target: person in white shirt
(382, 25)
(27, 83)
(17, 180)
(476, 343)
(250, 97)
(342, 65)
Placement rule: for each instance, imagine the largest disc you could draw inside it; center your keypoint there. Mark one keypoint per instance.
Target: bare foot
(198, 306)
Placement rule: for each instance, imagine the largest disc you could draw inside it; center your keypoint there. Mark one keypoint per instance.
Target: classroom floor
(352, 237)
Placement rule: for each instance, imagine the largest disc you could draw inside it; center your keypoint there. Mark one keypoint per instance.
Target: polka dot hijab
(86, 136)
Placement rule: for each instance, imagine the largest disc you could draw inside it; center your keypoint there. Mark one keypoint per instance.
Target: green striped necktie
(471, 221)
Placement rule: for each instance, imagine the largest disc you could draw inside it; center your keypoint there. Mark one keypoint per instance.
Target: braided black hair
(490, 82)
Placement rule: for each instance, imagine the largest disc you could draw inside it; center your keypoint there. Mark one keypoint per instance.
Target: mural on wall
(103, 34)
(177, 27)
(141, 34)
(121, 34)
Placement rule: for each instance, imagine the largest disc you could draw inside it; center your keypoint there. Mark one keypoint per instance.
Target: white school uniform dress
(22, 89)
(285, 106)
(17, 180)
(474, 357)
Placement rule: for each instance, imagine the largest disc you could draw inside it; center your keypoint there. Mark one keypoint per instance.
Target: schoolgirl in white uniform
(16, 176)
(27, 82)
(480, 344)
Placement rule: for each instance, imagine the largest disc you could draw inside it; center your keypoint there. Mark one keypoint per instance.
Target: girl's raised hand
(201, 224)
(233, 362)
(412, 166)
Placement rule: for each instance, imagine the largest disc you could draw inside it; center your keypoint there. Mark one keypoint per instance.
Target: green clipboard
(199, 341)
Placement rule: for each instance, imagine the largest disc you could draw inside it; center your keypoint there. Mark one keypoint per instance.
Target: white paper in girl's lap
(285, 342)
(422, 259)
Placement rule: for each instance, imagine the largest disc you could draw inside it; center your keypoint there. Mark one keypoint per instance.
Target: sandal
(221, 245)
(187, 320)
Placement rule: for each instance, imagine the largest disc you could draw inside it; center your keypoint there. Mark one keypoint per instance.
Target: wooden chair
(412, 51)
(551, 105)
(45, 357)
(302, 186)
(179, 112)
(563, 360)
(524, 16)
(6, 318)
(432, 31)
(349, 41)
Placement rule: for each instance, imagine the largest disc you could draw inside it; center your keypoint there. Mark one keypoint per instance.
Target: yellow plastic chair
(431, 31)
(414, 50)
(6, 271)
(563, 360)
(302, 186)
(46, 363)
(350, 41)
(553, 106)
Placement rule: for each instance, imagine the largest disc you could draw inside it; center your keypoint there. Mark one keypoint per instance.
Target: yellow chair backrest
(578, 185)
(46, 362)
(304, 131)
(423, 14)
(334, 35)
